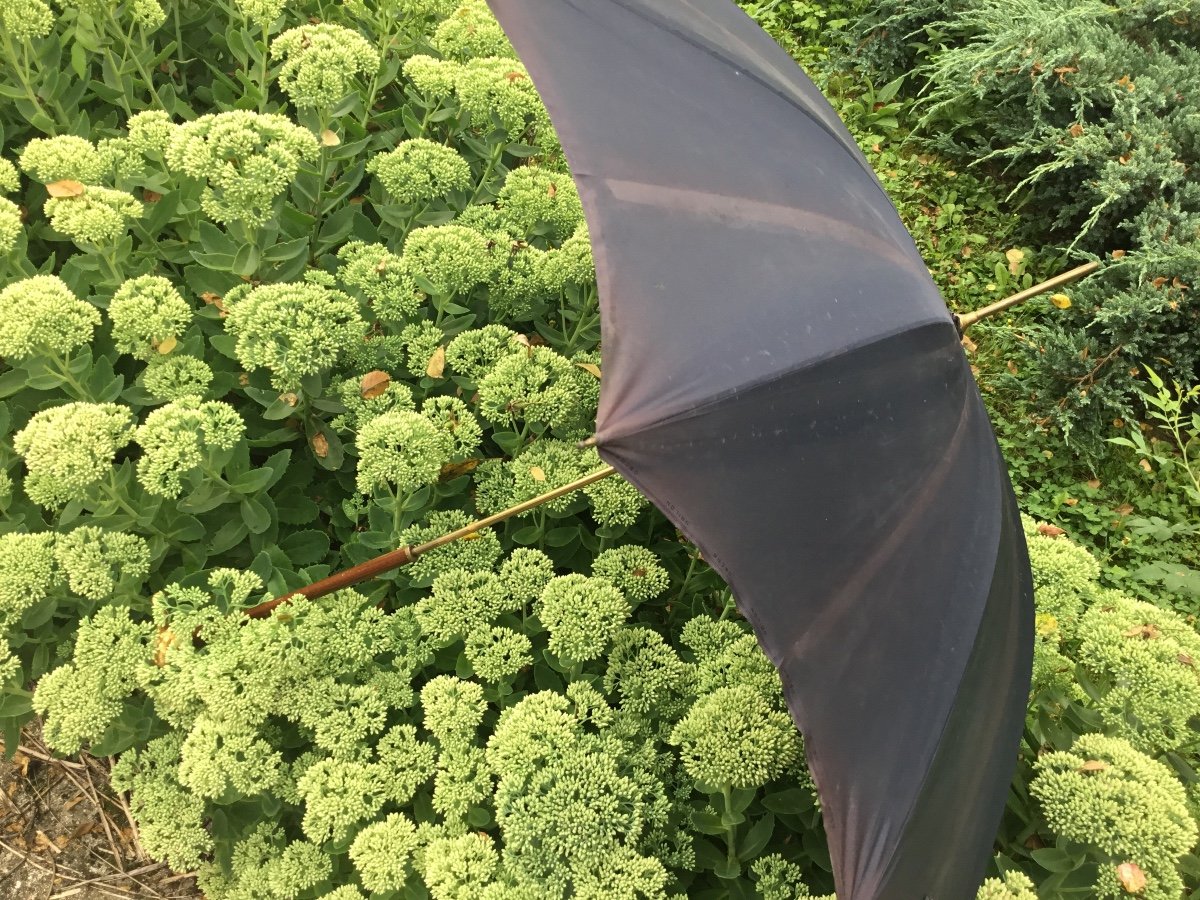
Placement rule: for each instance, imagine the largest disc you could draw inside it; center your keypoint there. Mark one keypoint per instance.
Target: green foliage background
(288, 284)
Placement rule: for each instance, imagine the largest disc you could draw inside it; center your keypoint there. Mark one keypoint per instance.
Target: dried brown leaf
(320, 445)
(65, 188)
(590, 368)
(1050, 530)
(437, 363)
(1131, 878)
(374, 384)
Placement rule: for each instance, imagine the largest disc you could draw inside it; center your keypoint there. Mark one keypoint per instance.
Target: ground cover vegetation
(291, 283)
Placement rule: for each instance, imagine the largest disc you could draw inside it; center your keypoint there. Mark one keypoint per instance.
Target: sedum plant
(328, 290)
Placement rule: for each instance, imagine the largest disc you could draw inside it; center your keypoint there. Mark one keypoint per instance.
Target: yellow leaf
(329, 138)
(537, 473)
(1093, 765)
(1145, 464)
(167, 345)
(373, 384)
(1014, 258)
(1132, 878)
(437, 363)
(1062, 301)
(590, 368)
(65, 188)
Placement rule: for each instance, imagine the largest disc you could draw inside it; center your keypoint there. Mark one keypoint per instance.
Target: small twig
(46, 757)
(133, 829)
(90, 789)
(100, 879)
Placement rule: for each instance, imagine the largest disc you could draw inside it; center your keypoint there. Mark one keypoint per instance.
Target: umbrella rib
(736, 211)
(604, 435)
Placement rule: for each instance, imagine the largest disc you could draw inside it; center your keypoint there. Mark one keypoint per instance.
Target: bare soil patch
(65, 834)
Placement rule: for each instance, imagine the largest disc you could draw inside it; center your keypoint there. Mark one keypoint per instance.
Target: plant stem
(77, 390)
(730, 830)
(110, 488)
(495, 157)
(265, 71)
(16, 60)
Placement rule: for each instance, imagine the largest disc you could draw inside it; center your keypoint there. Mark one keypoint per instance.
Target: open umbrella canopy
(782, 378)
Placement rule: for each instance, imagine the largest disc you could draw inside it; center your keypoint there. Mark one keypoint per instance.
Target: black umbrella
(782, 378)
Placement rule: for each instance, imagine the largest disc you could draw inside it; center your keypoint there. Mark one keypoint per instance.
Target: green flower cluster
(81, 699)
(29, 573)
(540, 202)
(45, 318)
(177, 376)
(245, 159)
(451, 258)
(69, 449)
(382, 279)
(420, 170)
(99, 563)
(145, 311)
(1014, 886)
(1147, 659)
(294, 330)
(1125, 806)
(60, 158)
(26, 19)
(320, 63)
(99, 215)
(471, 31)
(10, 226)
(182, 437)
(401, 450)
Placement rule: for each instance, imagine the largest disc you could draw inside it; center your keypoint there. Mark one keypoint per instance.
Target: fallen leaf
(1093, 765)
(437, 363)
(374, 384)
(1186, 660)
(1126, 82)
(1076, 130)
(537, 473)
(84, 828)
(65, 188)
(1094, 484)
(162, 643)
(1124, 509)
(1145, 465)
(454, 470)
(1050, 530)
(1117, 254)
(151, 196)
(320, 445)
(1071, 501)
(968, 345)
(552, 190)
(166, 345)
(42, 842)
(330, 138)
(21, 761)
(523, 340)
(1014, 258)
(1062, 301)
(590, 368)
(1131, 877)
(1145, 632)
(1012, 367)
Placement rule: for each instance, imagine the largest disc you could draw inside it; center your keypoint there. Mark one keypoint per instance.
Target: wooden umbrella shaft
(966, 320)
(402, 556)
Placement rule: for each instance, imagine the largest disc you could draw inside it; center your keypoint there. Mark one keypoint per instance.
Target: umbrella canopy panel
(782, 378)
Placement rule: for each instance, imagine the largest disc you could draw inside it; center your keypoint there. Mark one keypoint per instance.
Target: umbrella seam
(689, 412)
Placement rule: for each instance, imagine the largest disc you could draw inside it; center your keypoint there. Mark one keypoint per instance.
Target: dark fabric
(783, 380)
